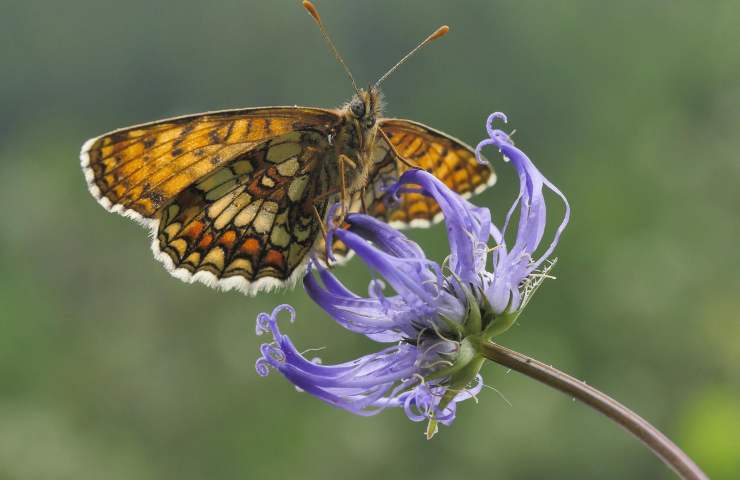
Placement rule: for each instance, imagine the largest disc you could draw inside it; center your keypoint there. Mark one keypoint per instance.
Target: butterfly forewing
(447, 158)
(139, 169)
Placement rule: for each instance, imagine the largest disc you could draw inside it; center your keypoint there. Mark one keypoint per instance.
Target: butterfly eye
(357, 108)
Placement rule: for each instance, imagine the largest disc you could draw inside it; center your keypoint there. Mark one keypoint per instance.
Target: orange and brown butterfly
(235, 199)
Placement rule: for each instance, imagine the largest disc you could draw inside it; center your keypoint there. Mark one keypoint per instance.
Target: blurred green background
(110, 368)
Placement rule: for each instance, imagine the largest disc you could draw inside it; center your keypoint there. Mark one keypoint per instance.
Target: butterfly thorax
(355, 136)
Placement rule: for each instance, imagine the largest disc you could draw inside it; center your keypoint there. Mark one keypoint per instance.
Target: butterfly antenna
(315, 14)
(440, 32)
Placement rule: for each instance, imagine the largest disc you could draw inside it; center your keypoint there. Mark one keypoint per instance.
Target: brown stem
(632, 422)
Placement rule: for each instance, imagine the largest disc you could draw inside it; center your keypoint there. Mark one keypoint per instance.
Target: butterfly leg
(395, 153)
(322, 226)
(344, 160)
(324, 195)
(362, 201)
(320, 220)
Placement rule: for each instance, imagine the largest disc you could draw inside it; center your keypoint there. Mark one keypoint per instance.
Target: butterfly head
(365, 106)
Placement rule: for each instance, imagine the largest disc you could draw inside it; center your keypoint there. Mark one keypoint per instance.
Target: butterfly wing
(449, 159)
(249, 225)
(446, 157)
(137, 170)
(229, 196)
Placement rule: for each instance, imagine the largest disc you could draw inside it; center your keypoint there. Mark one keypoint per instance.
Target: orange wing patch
(447, 158)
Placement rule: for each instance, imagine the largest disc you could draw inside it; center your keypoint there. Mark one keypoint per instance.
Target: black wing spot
(156, 197)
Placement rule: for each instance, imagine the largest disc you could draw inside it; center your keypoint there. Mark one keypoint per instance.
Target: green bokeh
(110, 368)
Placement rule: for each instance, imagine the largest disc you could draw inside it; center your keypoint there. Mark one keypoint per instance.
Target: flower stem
(660, 445)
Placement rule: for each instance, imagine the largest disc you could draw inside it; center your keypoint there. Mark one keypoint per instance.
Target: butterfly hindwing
(249, 225)
(447, 158)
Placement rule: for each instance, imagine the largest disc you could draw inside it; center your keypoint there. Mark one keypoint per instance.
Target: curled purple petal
(364, 386)
(379, 319)
(468, 226)
(511, 267)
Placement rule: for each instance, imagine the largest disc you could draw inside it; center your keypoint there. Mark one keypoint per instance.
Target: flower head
(431, 365)
(437, 315)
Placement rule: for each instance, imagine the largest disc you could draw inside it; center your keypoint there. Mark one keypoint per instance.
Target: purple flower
(436, 315)
(507, 289)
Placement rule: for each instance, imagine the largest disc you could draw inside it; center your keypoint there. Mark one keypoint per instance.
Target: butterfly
(236, 199)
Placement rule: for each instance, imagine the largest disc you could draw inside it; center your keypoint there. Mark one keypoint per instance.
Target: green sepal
(465, 355)
(473, 319)
(453, 326)
(461, 379)
(500, 324)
